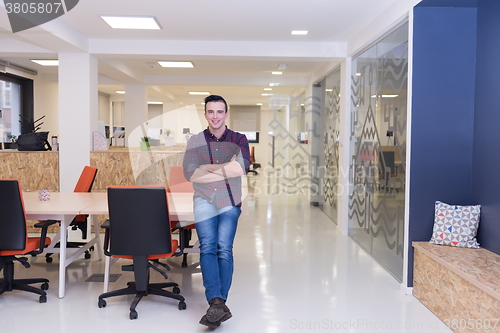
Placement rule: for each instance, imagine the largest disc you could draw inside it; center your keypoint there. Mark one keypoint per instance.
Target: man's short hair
(214, 98)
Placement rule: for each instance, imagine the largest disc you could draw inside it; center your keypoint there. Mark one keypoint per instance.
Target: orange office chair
(14, 240)
(178, 183)
(139, 229)
(253, 165)
(84, 184)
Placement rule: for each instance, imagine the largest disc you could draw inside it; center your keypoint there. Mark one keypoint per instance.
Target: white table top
(180, 205)
(62, 203)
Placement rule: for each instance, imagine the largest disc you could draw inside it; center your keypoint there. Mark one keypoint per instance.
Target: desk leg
(99, 248)
(62, 254)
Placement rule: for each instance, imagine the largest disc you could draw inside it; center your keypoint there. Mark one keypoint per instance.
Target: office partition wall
(378, 149)
(331, 188)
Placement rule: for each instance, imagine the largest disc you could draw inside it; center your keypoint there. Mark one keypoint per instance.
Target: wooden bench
(460, 286)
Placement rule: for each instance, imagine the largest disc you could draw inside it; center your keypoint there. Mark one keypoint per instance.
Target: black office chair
(253, 165)
(387, 168)
(139, 229)
(14, 240)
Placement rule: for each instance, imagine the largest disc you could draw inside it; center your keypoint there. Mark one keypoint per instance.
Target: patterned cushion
(456, 225)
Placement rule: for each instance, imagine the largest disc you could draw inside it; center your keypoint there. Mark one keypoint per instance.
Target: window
(16, 104)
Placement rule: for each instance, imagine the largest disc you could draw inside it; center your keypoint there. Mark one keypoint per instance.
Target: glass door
(378, 149)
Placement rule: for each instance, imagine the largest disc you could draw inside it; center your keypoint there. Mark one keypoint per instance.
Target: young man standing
(215, 160)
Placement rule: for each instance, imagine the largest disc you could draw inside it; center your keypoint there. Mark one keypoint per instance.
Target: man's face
(215, 114)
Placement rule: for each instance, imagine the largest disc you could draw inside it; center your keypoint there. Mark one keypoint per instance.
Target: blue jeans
(216, 228)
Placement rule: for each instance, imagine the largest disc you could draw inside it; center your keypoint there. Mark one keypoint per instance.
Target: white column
(136, 113)
(78, 115)
(344, 147)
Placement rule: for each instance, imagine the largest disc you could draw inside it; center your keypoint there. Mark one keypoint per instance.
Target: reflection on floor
(294, 273)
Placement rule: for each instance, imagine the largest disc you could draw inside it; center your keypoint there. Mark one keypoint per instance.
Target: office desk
(64, 207)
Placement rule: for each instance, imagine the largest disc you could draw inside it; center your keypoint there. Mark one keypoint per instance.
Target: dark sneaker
(218, 311)
(204, 321)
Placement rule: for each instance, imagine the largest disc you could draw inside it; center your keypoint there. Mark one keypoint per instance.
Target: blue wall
(442, 128)
(486, 161)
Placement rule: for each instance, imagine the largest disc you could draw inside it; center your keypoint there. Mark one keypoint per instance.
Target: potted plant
(169, 141)
(13, 141)
(144, 143)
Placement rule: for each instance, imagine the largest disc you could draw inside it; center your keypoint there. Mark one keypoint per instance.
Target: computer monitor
(252, 137)
(185, 131)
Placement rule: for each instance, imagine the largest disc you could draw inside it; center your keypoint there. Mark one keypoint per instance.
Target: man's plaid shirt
(205, 148)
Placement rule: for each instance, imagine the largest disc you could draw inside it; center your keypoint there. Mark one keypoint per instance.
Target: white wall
(46, 104)
(103, 108)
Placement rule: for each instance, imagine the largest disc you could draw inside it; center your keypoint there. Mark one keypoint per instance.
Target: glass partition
(331, 188)
(378, 149)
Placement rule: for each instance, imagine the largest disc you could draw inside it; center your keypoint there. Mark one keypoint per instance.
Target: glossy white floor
(293, 273)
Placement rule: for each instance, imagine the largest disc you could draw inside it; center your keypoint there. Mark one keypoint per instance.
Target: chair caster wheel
(87, 255)
(176, 290)
(45, 286)
(182, 305)
(101, 303)
(133, 315)
(48, 259)
(43, 299)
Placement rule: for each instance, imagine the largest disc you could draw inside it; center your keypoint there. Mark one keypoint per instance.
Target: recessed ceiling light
(282, 67)
(46, 62)
(120, 91)
(259, 103)
(299, 32)
(199, 93)
(155, 102)
(328, 89)
(131, 22)
(273, 84)
(358, 74)
(385, 96)
(277, 73)
(268, 88)
(176, 64)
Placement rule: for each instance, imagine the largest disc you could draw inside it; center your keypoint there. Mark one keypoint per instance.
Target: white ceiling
(233, 44)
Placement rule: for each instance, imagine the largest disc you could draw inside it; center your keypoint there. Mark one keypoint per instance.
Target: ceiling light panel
(46, 62)
(199, 93)
(277, 73)
(176, 64)
(131, 22)
(299, 32)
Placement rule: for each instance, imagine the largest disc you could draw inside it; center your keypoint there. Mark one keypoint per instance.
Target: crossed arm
(209, 173)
